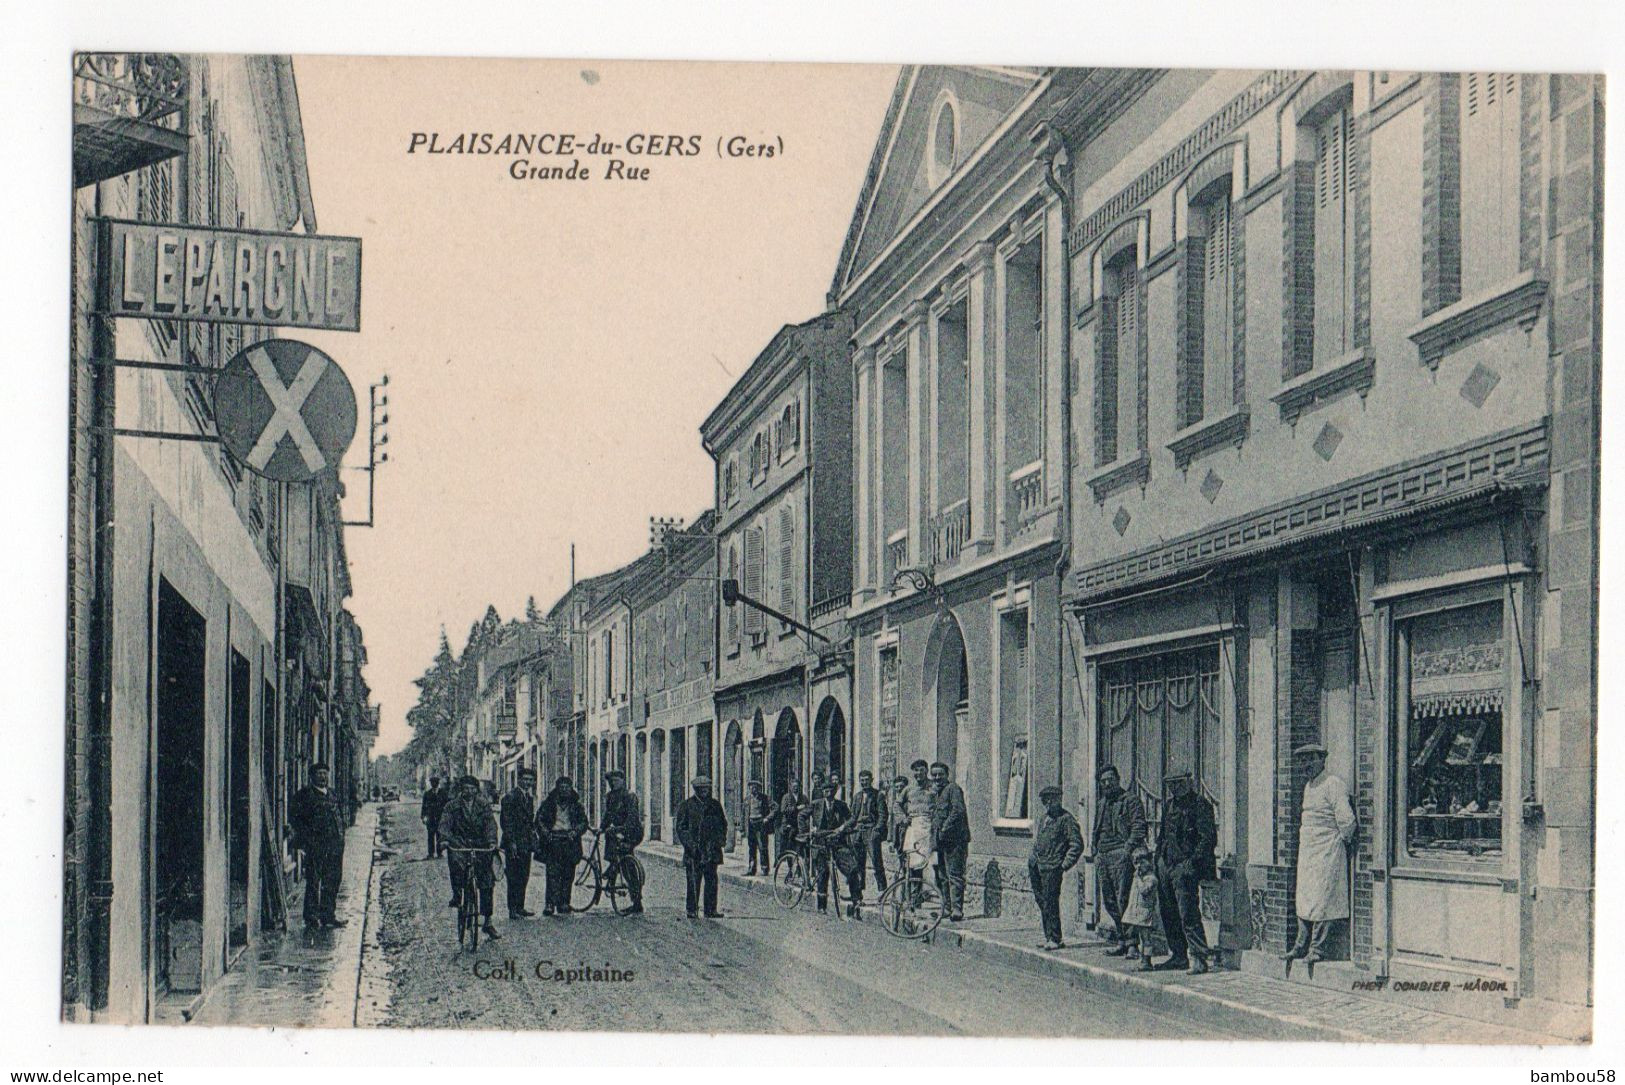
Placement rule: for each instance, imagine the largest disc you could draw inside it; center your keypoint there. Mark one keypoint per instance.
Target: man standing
(471, 844)
(950, 825)
(1184, 860)
(623, 832)
(869, 819)
(827, 820)
(1325, 830)
(701, 827)
(792, 808)
(897, 815)
(1057, 847)
(918, 808)
(759, 811)
(560, 821)
(434, 804)
(519, 840)
(317, 819)
(1119, 829)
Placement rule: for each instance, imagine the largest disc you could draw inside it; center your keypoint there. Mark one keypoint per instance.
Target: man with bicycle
(468, 831)
(623, 831)
(869, 809)
(827, 823)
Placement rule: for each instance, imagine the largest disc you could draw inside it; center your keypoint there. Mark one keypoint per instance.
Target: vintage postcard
(834, 549)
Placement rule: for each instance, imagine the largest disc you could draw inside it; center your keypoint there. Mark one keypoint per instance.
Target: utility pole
(377, 437)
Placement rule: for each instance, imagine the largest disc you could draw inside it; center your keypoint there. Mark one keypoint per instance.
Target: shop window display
(1454, 762)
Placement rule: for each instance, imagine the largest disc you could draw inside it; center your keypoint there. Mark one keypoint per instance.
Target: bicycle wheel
(789, 880)
(591, 877)
(469, 913)
(624, 875)
(911, 909)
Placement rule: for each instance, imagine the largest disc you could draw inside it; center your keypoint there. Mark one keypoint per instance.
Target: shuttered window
(1489, 180)
(1331, 248)
(753, 577)
(787, 580)
(1217, 297)
(1128, 357)
(733, 611)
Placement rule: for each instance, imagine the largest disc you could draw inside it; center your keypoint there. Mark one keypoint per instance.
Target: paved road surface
(758, 970)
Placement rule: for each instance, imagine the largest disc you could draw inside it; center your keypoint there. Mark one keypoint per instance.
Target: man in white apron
(1326, 828)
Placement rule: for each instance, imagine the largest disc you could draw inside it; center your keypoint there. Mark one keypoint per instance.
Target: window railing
(146, 87)
(896, 553)
(1026, 494)
(950, 531)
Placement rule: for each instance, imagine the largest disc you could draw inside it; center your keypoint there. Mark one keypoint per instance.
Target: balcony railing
(129, 111)
(1026, 495)
(896, 553)
(950, 530)
(835, 604)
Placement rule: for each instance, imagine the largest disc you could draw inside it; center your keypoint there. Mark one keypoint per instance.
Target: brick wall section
(1299, 723)
(1362, 230)
(1238, 309)
(1108, 428)
(1297, 270)
(1531, 166)
(1564, 904)
(1366, 723)
(1441, 192)
(1142, 352)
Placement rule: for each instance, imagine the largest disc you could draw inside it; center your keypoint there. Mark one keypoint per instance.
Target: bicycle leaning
(620, 877)
(798, 871)
(911, 906)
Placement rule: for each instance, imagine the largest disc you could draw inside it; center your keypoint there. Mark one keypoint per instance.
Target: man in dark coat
(701, 827)
(828, 823)
(869, 818)
(623, 830)
(1057, 847)
(434, 804)
(560, 821)
(316, 818)
(1184, 860)
(1119, 830)
(759, 814)
(792, 809)
(950, 825)
(471, 844)
(519, 840)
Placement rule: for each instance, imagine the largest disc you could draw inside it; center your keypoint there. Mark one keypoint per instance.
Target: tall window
(1015, 718)
(1117, 381)
(1489, 179)
(1332, 277)
(754, 558)
(787, 543)
(1206, 372)
(733, 611)
(609, 664)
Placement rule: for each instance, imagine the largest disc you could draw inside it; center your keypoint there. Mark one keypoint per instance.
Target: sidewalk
(302, 978)
(1293, 1011)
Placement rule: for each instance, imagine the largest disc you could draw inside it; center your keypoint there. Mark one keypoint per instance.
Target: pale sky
(552, 346)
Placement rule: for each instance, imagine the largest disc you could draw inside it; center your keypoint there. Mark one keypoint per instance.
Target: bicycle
(618, 877)
(794, 874)
(469, 919)
(911, 907)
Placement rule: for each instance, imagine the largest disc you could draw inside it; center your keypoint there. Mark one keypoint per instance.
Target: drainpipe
(1050, 148)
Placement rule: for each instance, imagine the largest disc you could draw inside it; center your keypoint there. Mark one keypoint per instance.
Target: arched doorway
(733, 779)
(758, 751)
(947, 695)
(640, 769)
(786, 752)
(829, 738)
(591, 782)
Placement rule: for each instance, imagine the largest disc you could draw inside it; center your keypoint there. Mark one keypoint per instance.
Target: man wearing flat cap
(1325, 830)
(519, 840)
(1119, 829)
(1184, 860)
(1057, 847)
(560, 821)
(623, 832)
(701, 827)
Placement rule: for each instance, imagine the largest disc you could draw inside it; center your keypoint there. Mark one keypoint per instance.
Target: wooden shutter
(753, 577)
(1216, 300)
(1490, 148)
(787, 540)
(1127, 376)
(733, 611)
(1331, 237)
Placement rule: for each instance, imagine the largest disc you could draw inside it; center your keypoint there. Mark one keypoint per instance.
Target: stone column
(982, 343)
(918, 391)
(863, 497)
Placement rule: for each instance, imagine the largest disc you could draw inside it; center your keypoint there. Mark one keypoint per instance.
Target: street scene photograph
(832, 549)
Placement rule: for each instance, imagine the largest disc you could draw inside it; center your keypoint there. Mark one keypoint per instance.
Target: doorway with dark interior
(178, 796)
(240, 725)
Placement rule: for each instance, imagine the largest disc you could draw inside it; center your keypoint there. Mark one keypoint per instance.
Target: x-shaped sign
(287, 401)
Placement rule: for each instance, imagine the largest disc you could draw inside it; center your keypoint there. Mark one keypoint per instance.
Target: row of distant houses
(1171, 420)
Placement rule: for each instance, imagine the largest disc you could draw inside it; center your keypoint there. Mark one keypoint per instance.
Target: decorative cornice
(1120, 475)
(1229, 428)
(1356, 370)
(1514, 458)
(1519, 300)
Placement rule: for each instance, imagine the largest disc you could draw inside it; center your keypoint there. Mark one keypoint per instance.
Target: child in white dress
(1140, 915)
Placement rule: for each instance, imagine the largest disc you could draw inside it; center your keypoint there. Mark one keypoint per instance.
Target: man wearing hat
(1184, 860)
(1119, 830)
(560, 821)
(519, 840)
(471, 844)
(1057, 847)
(1325, 830)
(317, 822)
(623, 830)
(701, 827)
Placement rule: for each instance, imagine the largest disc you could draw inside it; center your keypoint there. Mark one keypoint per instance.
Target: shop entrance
(947, 673)
(240, 719)
(178, 794)
(679, 767)
(829, 738)
(657, 783)
(786, 752)
(1159, 715)
(733, 779)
